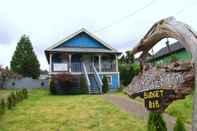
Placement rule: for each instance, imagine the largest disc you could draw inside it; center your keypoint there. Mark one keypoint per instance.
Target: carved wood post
(194, 113)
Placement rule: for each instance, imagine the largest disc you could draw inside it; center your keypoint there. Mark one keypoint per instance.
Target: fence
(26, 83)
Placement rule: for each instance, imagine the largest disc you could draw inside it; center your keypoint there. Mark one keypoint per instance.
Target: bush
(179, 126)
(105, 84)
(127, 72)
(25, 93)
(2, 107)
(52, 87)
(156, 122)
(13, 97)
(83, 85)
(9, 102)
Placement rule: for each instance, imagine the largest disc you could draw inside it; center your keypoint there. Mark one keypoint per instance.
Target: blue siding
(115, 81)
(82, 40)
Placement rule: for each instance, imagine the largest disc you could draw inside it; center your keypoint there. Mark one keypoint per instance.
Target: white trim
(50, 62)
(78, 32)
(69, 62)
(99, 63)
(79, 73)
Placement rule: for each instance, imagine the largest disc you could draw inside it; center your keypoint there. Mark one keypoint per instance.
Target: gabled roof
(53, 47)
(164, 51)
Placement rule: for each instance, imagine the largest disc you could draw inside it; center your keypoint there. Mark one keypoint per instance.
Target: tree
(179, 126)
(24, 60)
(6, 74)
(105, 84)
(156, 122)
(127, 72)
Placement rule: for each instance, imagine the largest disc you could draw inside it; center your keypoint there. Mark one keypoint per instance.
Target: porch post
(116, 63)
(69, 62)
(50, 62)
(99, 63)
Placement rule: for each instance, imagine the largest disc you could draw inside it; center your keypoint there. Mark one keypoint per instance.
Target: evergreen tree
(156, 122)
(24, 60)
(179, 126)
(105, 84)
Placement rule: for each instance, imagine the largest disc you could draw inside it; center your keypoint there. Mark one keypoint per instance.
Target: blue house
(82, 53)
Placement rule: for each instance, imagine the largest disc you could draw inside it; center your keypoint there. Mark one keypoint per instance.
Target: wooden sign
(155, 100)
(160, 86)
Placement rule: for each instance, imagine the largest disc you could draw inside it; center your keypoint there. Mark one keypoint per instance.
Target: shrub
(127, 72)
(13, 97)
(83, 85)
(9, 102)
(156, 122)
(2, 107)
(19, 96)
(179, 126)
(52, 87)
(25, 93)
(105, 84)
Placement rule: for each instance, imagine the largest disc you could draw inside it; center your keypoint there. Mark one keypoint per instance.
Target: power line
(185, 8)
(125, 17)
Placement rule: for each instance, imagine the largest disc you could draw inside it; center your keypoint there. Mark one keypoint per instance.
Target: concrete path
(133, 107)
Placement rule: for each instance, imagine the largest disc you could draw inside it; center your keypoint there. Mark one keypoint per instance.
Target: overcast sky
(121, 23)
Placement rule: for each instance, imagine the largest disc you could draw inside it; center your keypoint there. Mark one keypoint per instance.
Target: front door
(87, 60)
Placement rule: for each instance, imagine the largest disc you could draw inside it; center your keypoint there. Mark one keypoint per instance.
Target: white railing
(76, 67)
(98, 78)
(86, 76)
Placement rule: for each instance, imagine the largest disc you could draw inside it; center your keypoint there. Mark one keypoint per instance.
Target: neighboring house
(83, 53)
(164, 55)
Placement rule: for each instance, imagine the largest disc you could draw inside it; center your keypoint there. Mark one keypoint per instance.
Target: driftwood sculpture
(177, 76)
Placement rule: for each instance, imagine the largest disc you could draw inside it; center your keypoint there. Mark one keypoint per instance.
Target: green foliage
(83, 85)
(9, 102)
(179, 126)
(105, 84)
(2, 107)
(25, 93)
(156, 122)
(182, 108)
(52, 87)
(14, 99)
(127, 72)
(24, 60)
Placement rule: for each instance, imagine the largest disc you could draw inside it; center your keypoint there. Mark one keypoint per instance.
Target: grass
(182, 108)
(43, 112)
(4, 93)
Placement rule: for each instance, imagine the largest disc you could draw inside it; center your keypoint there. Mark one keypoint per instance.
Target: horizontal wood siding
(82, 41)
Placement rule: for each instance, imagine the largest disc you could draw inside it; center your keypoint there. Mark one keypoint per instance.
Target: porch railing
(98, 78)
(76, 67)
(107, 67)
(86, 76)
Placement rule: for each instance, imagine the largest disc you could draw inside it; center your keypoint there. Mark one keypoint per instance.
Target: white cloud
(48, 21)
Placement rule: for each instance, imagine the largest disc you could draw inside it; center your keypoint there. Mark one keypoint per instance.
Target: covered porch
(73, 62)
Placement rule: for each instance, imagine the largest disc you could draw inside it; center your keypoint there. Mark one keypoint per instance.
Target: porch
(73, 63)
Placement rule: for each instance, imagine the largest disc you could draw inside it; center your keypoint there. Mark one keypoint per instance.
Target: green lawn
(182, 108)
(4, 93)
(43, 112)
